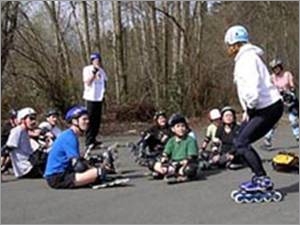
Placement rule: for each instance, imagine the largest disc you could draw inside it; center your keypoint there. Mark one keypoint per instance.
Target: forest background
(166, 55)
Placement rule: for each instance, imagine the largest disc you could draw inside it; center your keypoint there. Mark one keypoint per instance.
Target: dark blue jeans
(252, 130)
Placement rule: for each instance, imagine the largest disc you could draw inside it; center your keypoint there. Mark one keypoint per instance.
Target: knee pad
(79, 165)
(294, 122)
(190, 170)
(223, 160)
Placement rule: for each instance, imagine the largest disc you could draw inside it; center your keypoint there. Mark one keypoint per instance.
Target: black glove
(251, 112)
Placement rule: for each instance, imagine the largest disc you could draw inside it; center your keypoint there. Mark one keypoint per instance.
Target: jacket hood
(249, 47)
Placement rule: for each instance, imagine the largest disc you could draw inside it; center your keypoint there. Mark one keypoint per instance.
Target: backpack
(286, 162)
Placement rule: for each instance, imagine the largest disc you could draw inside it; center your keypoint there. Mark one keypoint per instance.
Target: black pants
(94, 110)
(252, 130)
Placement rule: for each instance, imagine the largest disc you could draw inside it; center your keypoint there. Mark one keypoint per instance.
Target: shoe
(93, 145)
(235, 166)
(157, 176)
(182, 179)
(97, 143)
(267, 143)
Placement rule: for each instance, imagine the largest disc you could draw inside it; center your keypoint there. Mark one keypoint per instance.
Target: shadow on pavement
(8, 180)
(210, 172)
(293, 188)
(279, 148)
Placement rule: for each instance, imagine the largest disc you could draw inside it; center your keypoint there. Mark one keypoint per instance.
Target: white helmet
(214, 114)
(45, 126)
(236, 34)
(22, 113)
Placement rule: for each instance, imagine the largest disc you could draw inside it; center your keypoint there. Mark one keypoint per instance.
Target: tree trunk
(86, 27)
(84, 55)
(121, 77)
(176, 39)
(9, 21)
(166, 37)
(155, 59)
(97, 27)
(63, 50)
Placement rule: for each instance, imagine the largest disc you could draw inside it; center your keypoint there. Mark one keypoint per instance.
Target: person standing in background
(94, 79)
(284, 81)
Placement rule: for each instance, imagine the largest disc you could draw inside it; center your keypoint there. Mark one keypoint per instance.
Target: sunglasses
(32, 117)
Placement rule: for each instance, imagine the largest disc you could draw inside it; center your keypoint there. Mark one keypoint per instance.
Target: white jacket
(253, 80)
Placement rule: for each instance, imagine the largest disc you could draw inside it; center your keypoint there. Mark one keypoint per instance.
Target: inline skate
(258, 189)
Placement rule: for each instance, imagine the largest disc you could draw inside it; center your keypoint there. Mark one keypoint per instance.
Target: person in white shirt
(259, 98)
(94, 79)
(19, 145)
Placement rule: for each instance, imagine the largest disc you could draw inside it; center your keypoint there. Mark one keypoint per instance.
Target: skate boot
(258, 189)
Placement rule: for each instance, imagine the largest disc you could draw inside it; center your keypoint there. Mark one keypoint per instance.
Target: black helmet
(51, 112)
(228, 108)
(275, 62)
(175, 119)
(158, 114)
(13, 113)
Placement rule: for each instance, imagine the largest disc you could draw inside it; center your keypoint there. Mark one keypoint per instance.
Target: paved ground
(205, 201)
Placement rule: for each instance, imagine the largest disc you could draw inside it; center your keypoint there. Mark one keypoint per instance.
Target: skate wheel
(239, 198)
(249, 198)
(278, 196)
(267, 198)
(234, 193)
(258, 199)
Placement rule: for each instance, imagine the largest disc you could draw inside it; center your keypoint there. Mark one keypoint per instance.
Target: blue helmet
(95, 55)
(236, 34)
(75, 112)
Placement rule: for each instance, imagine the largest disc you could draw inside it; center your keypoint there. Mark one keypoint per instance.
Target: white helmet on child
(236, 34)
(45, 126)
(23, 113)
(214, 114)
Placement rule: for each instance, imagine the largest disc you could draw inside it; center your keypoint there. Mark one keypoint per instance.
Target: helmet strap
(78, 127)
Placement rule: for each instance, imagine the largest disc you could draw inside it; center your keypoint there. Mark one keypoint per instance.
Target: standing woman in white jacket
(259, 98)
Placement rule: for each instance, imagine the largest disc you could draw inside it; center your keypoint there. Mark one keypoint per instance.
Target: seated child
(65, 167)
(49, 130)
(224, 153)
(179, 158)
(215, 119)
(6, 128)
(19, 146)
(154, 139)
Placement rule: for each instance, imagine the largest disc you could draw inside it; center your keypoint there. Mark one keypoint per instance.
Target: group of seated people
(44, 151)
(218, 145)
(169, 148)
(21, 134)
(164, 150)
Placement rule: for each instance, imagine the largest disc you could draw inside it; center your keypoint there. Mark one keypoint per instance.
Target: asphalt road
(205, 201)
